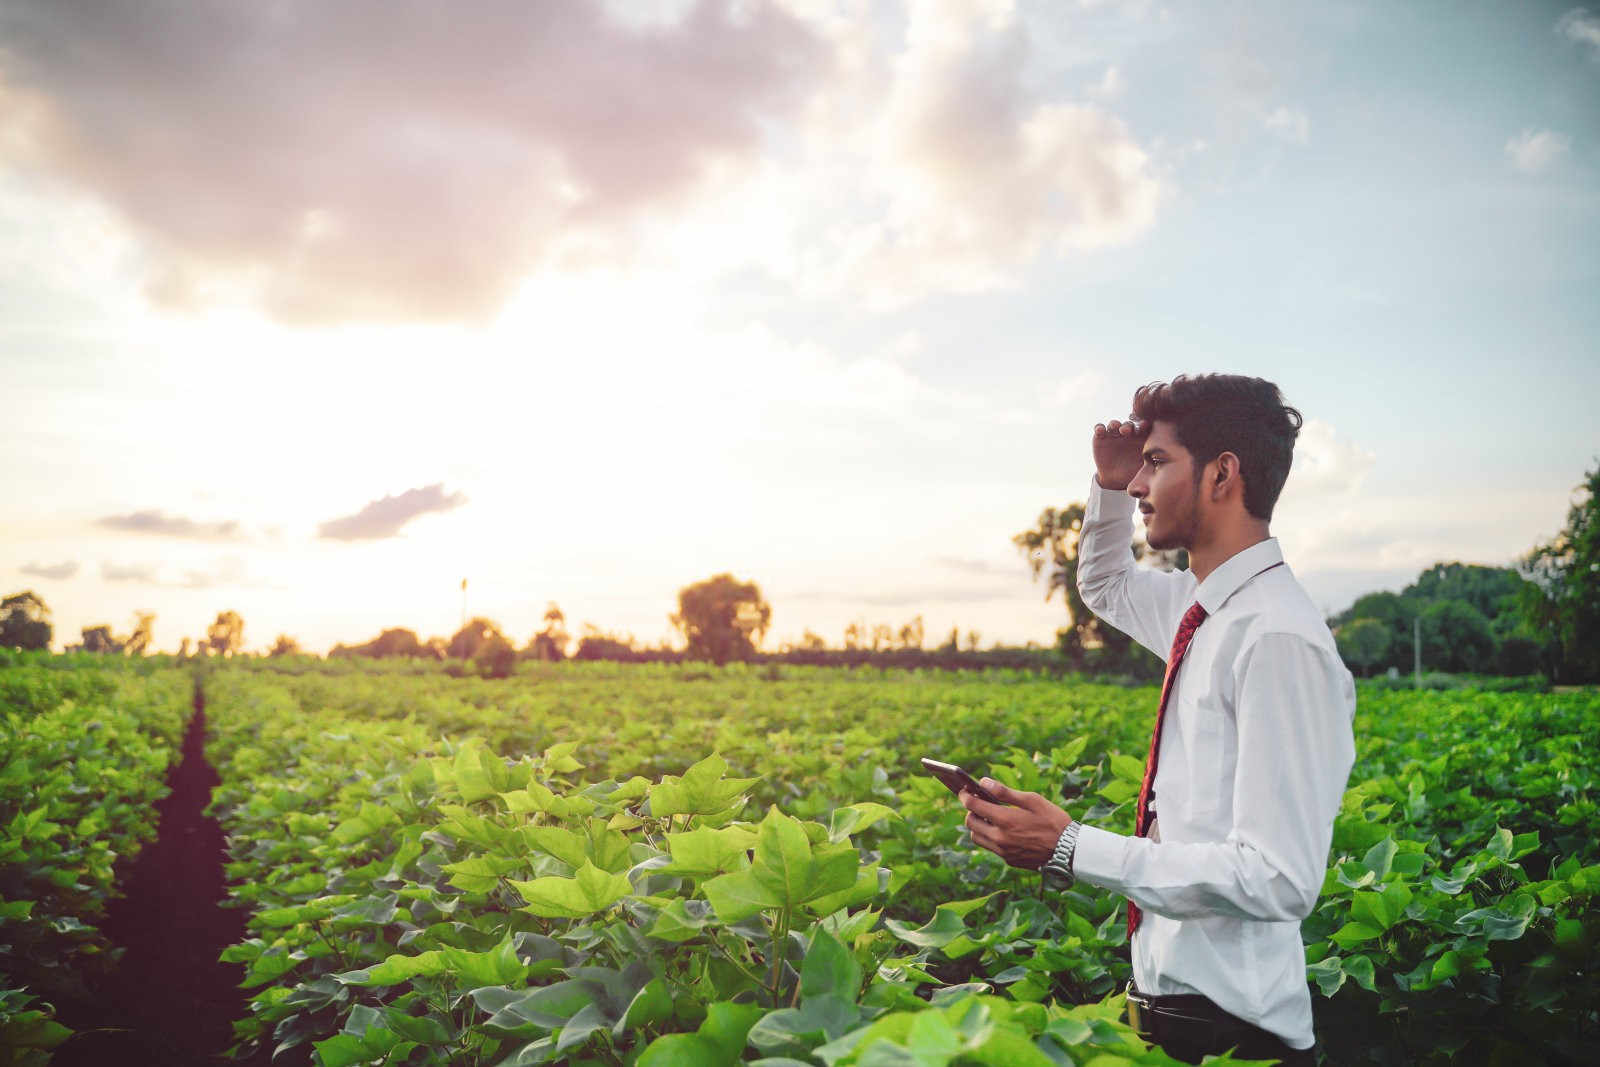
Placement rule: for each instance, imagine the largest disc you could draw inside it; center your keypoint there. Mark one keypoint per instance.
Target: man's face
(1165, 487)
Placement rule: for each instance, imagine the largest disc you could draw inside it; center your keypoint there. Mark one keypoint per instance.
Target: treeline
(1541, 617)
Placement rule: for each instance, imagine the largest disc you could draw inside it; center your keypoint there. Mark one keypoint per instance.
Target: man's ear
(1227, 474)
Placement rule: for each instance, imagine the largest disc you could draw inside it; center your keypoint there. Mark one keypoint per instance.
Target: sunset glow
(311, 311)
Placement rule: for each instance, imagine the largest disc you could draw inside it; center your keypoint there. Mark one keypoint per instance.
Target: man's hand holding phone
(1021, 829)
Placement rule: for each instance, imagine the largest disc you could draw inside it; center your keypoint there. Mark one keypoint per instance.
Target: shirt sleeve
(1145, 604)
(1296, 748)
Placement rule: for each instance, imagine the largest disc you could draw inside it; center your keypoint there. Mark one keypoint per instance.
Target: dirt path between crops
(168, 1001)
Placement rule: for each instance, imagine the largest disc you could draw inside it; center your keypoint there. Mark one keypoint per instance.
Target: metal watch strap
(1058, 868)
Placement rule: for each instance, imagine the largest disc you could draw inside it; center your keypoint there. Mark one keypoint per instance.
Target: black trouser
(1189, 1028)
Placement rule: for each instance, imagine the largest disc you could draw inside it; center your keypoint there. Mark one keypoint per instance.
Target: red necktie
(1180, 644)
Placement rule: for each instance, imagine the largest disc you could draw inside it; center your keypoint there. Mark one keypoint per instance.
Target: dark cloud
(133, 572)
(57, 571)
(371, 159)
(159, 522)
(384, 518)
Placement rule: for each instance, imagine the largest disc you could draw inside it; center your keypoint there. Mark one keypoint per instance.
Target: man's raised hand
(1022, 829)
(1118, 452)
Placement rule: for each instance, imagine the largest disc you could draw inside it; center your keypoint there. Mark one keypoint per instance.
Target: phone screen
(956, 780)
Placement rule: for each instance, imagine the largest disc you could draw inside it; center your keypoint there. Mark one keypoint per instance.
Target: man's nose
(1137, 488)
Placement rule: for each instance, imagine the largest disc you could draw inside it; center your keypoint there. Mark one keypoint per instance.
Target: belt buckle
(1137, 1006)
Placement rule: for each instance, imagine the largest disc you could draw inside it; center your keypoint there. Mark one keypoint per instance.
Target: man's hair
(1216, 413)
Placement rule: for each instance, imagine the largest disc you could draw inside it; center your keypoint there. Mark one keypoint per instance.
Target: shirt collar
(1239, 568)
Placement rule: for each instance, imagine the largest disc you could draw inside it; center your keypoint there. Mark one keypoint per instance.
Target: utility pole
(1416, 647)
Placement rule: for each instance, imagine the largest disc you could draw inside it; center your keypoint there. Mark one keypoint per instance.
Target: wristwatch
(1057, 870)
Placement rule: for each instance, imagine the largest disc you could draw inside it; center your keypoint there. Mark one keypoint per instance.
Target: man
(1252, 744)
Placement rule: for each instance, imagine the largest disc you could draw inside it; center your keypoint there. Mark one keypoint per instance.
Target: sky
(310, 311)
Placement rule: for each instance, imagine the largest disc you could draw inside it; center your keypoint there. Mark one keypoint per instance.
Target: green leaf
(473, 778)
(818, 1019)
(683, 1050)
(1379, 858)
(1119, 791)
(681, 920)
(497, 966)
(396, 969)
(1353, 933)
(704, 852)
(1128, 769)
(580, 1027)
(1360, 968)
(650, 1006)
(728, 1025)
(701, 791)
(856, 817)
(739, 896)
(829, 967)
(1328, 974)
(479, 874)
(590, 891)
(1381, 909)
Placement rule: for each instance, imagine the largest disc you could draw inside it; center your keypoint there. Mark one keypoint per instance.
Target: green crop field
(665, 864)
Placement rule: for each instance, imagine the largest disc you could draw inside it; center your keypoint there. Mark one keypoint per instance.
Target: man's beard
(1182, 534)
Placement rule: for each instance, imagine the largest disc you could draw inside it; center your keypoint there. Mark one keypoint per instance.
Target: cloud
(980, 566)
(384, 518)
(1290, 124)
(132, 572)
(162, 524)
(55, 572)
(229, 571)
(371, 160)
(1110, 86)
(1534, 151)
(226, 572)
(1581, 26)
(919, 597)
(978, 174)
(1080, 387)
(1326, 464)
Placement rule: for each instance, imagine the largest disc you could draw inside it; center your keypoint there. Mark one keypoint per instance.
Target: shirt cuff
(1098, 858)
(1104, 504)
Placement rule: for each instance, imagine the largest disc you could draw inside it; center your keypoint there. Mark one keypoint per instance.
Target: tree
(973, 636)
(854, 636)
(99, 639)
(551, 642)
(285, 646)
(1562, 598)
(24, 621)
(1397, 613)
(1053, 543)
(139, 640)
(597, 644)
(911, 634)
(1489, 589)
(496, 658)
(465, 642)
(722, 618)
(882, 636)
(1456, 637)
(226, 636)
(812, 642)
(1363, 643)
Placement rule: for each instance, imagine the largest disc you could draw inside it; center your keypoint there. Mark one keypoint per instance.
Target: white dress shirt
(1255, 753)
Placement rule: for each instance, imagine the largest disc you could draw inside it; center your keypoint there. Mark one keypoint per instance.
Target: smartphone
(957, 780)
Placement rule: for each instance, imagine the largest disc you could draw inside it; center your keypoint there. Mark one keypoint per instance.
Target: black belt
(1188, 1025)
(1185, 1007)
